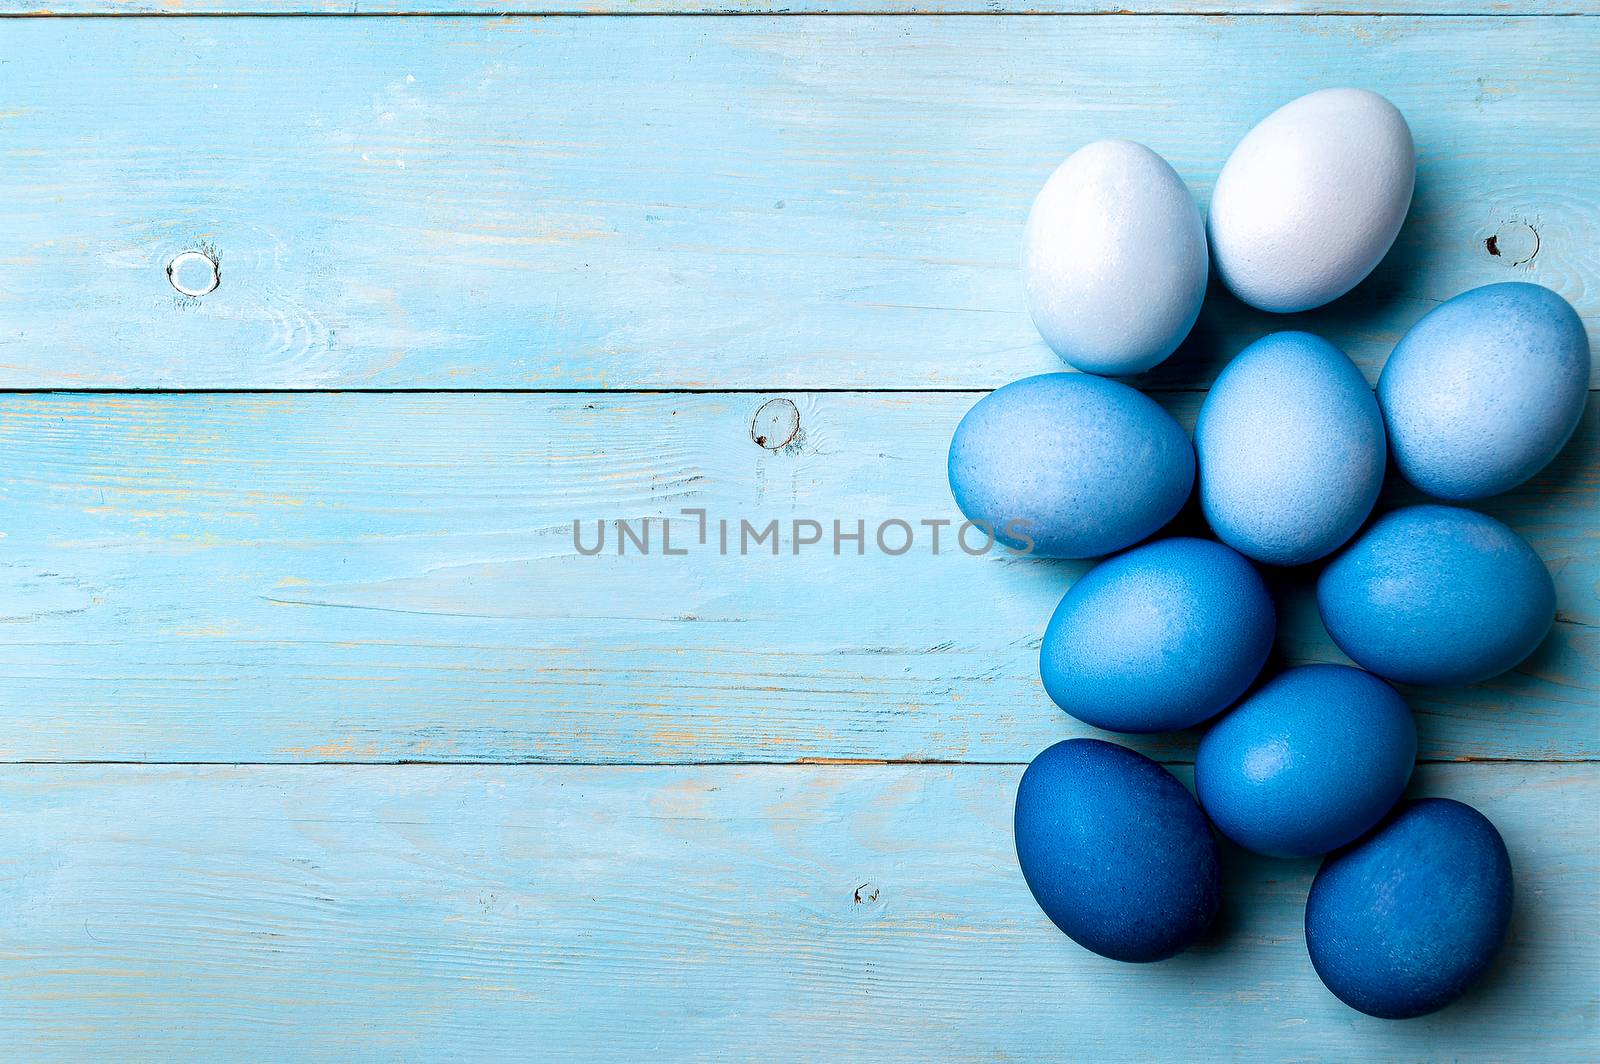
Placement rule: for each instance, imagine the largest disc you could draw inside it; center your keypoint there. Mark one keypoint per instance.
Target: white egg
(1312, 199)
(1115, 259)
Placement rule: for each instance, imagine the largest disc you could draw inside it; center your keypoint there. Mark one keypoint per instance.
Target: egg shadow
(1226, 325)
(1526, 937)
(1524, 952)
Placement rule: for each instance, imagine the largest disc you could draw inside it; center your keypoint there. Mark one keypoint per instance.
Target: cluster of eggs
(1290, 451)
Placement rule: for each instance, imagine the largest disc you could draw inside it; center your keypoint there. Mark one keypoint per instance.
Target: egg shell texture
(1291, 453)
(1086, 465)
(1437, 595)
(1312, 199)
(1114, 259)
(1158, 638)
(1485, 389)
(1404, 922)
(1308, 763)
(1116, 851)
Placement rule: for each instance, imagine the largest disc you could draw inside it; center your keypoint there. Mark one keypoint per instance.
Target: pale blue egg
(1482, 392)
(1115, 851)
(1114, 259)
(1405, 921)
(1159, 638)
(1308, 763)
(1291, 452)
(1437, 595)
(1068, 465)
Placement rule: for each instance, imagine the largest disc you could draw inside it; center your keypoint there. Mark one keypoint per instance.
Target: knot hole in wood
(194, 273)
(1514, 243)
(776, 424)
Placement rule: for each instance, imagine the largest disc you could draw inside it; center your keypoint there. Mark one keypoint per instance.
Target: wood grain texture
(700, 202)
(375, 577)
(180, 8)
(426, 913)
(1210, 8)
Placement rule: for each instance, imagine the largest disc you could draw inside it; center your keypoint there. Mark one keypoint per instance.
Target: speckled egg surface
(1437, 595)
(1114, 259)
(1115, 851)
(1485, 389)
(1312, 199)
(1404, 922)
(1078, 465)
(1159, 638)
(1290, 446)
(1308, 763)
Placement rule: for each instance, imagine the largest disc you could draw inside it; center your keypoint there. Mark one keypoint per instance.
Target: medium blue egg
(1485, 389)
(1115, 851)
(1308, 763)
(1066, 465)
(1160, 638)
(1437, 595)
(1402, 923)
(1291, 450)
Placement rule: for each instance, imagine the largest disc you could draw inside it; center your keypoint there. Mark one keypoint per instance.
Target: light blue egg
(1404, 922)
(1485, 390)
(1066, 465)
(1115, 851)
(1160, 638)
(1291, 450)
(1437, 595)
(1308, 763)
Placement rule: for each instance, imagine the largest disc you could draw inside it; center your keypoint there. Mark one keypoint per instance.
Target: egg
(1437, 595)
(1115, 851)
(1312, 199)
(1114, 259)
(1402, 923)
(1070, 466)
(1291, 453)
(1159, 638)
(1483, 391)
(1308, 763)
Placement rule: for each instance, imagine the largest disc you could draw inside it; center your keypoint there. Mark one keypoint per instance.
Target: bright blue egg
(1066, 465)
(1160, 638)
(1308, 763)
(1485, 389)
(1115, 851)
(1291, 450)
(1405, 921)
(1437, 595)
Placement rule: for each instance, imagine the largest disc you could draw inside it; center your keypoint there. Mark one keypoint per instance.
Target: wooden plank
(376, 577)
(432, 913)
(700, 202)
(179, 8)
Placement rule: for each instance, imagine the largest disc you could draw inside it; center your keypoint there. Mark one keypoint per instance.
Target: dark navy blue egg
(1483, 391)
(1308, 763)
(1402, 923)
(1291, 450)
(1066, 465)
(1115, 851)
(1159, 638)
(1437, 595)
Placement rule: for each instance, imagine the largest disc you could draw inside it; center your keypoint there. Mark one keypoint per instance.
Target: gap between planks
(759, 13)
(802, 763)
(561, 391)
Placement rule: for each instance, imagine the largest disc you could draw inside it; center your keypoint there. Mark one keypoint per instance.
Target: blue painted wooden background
(321, 742)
